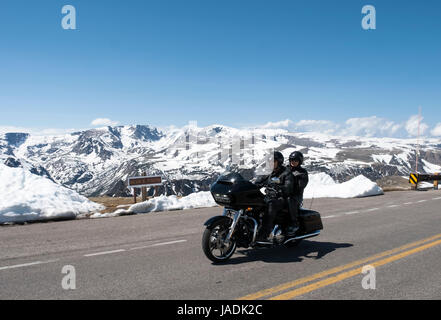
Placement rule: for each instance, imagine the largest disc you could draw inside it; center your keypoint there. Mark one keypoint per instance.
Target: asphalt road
(159, 256)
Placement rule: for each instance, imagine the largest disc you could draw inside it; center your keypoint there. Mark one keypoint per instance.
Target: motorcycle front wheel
(214, 245)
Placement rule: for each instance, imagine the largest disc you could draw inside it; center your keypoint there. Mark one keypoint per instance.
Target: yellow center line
(291, 284)
(345, 275)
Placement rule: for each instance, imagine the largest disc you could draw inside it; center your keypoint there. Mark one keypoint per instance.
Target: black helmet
(296, 155)
(278, 156)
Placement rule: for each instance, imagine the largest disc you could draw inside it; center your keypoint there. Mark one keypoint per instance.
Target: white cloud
(371, 127)
(366, 127)
(104, 122)
(277, 125)
(412, 126)
(436, 131)
(363, 127)
(6, 129)
(38, 131)
(322, 126)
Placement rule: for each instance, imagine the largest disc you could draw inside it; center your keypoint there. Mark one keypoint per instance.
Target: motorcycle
(244, 206)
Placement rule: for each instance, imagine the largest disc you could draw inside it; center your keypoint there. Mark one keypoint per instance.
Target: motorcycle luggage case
(310, 220)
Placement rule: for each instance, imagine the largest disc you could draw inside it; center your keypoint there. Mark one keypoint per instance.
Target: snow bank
(322, 185)
(201, 199)
(28, 197)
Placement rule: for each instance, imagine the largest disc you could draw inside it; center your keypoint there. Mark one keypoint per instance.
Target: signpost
(143, 182)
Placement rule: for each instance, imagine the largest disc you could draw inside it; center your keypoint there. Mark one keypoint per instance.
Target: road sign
(413, 178)
(143, 182)
(149, 181)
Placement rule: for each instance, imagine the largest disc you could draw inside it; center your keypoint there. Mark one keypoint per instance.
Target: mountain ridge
(97, 162)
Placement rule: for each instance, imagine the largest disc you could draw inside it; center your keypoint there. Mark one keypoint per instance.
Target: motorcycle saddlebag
(310, 220)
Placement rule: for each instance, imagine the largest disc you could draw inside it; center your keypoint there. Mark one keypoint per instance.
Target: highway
(159, 256)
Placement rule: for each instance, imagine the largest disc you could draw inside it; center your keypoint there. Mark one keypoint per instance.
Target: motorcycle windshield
(231, 176)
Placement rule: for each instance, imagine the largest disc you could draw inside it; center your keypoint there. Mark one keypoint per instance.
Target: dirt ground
(394, 183)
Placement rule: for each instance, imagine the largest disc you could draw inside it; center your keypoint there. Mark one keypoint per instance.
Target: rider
(277, 193)
(301, 180)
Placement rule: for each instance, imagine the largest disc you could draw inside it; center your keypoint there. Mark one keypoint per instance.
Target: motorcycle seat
(306, 212)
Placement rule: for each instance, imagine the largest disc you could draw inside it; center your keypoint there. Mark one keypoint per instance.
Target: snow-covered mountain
(98, 161)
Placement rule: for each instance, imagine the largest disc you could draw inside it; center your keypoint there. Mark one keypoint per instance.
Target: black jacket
(283, 189)
(301, 179)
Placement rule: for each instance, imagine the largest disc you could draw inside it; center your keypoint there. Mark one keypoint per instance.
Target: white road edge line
(28, 264)
(376, 209)
(158, 244)
(165, 243)
(352, 212)
(103, 253)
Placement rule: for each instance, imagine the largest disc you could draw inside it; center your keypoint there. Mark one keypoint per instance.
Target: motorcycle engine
(277, 235)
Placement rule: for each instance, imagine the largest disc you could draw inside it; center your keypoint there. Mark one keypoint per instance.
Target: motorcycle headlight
(222, 198)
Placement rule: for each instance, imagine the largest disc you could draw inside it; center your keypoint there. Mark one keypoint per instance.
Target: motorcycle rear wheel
(213, 243)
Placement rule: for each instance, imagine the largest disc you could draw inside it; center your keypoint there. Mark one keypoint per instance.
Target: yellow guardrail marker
(413, 179)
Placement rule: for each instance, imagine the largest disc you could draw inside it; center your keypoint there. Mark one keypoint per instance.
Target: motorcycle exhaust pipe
(309, 235)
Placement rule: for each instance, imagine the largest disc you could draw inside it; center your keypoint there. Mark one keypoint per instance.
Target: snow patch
(430, 167)
(322, 185)
(382, 158)
(201, 199)
(29, 197)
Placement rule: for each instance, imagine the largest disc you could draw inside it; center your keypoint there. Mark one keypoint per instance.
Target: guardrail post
(134, 195)
(144, 189)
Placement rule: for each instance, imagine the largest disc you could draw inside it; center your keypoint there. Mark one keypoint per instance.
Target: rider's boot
(263, 237)
(291, 231)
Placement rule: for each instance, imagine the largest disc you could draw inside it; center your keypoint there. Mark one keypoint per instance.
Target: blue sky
(237, 63)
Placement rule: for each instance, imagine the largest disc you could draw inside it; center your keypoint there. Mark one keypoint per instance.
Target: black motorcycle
(244, 206)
